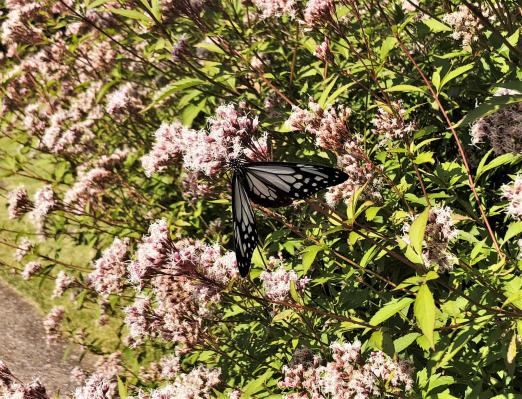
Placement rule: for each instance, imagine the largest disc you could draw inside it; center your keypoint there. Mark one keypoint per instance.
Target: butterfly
(270, 184)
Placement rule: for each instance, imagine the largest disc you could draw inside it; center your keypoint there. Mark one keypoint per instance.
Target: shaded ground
(24, 349)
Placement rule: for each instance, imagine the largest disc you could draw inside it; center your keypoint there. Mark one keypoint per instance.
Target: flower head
(278, 282)
(18, 202)
(107, 277)
(513, 193)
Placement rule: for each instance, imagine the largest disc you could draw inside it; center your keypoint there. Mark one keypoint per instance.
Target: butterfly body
(271, 184)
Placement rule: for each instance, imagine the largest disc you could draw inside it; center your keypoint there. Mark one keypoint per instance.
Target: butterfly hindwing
(245, 232)
(275, 184)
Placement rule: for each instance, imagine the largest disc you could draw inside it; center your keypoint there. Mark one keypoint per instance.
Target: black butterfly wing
(274, 184)
(245, 232)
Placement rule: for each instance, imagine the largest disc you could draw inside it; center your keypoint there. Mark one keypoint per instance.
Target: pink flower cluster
(348, 375)
(109, 270)
(323, 51)
(390, 122)
(124, 101)
(30, 269)
(277, 283)
(440, 231)
(44, 202)
(276, 8)
(513, 193)
(52, 323)
(318, 12)
(18, 202)
(62, 282)
(12, 388)
(97, 387)
(185, 278)
(466, 26)
(327, 125)
(91, 183)
(69, 128)
(17, 30)
(24, 247)
(198, 383)
(230, 131)
(360, 172)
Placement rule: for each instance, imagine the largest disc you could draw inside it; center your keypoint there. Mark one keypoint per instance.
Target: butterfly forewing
(275, 184)
(245, 232)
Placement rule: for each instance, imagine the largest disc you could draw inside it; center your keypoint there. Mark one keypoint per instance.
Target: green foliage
(418, 255)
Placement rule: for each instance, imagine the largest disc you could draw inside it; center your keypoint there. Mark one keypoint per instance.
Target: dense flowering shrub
(119, 120)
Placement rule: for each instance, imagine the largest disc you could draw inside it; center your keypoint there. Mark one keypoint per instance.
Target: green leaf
(402, 343)
(191, 112)
(122, 389)
(436, 26)
(495, 163)
(424, 310)
(387, 46)
(405, 88)
(173, 88)
(294, 294)
(424, 157)
(256, 385)
(326, 93)
(309, 256)
(337, 93)
(390, 309)
(455, 73)
(133, 14)
(513, 230)
(488, 107)
(417, 229)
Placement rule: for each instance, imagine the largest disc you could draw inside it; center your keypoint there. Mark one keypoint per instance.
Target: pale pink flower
(18, 202)
(62, 282)
(96, 387)
(348, 375)
(318, 12)
(276, 8)
(30, 269)
(390, 122)
(198, 383)
(170, 366)
(23, 248)
(513, 193)
(109, 366)
(323, 51)
(169, 144)
(107, 277)
(329, 126)
(78, 375)
(235, 394)
(277, 283)
(124, 101)
(44, 203)
(88, 187)
(359, 171)
(466, 26)
(52, 324)
(151, 253)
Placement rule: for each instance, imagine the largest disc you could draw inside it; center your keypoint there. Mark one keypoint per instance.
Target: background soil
(23, 346)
